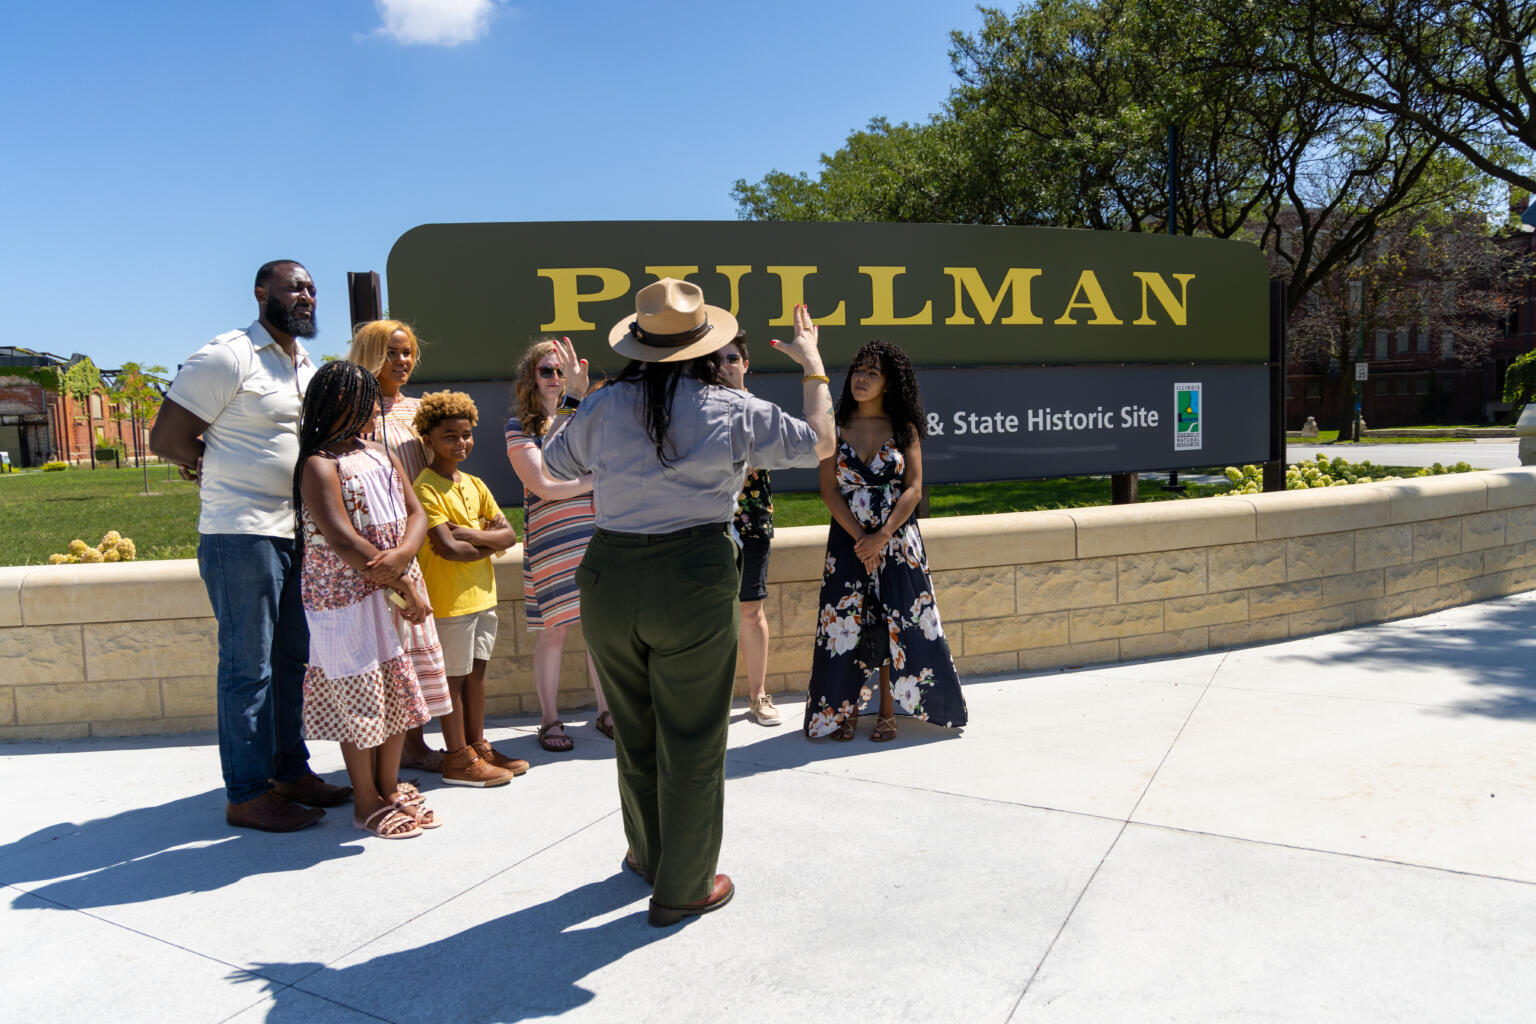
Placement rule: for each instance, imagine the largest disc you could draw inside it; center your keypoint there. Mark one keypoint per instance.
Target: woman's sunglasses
(551, 372)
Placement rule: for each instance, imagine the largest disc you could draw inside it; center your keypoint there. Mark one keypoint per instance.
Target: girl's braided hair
(902, 401)
(338, 404)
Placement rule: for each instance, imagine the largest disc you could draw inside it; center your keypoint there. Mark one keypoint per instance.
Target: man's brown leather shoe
(269, 814)
(662, 915)
(312, 791)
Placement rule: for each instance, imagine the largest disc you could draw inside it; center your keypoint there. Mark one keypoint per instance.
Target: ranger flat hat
(672, 323)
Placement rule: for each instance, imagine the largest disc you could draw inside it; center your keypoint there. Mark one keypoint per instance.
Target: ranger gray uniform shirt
(716, 432)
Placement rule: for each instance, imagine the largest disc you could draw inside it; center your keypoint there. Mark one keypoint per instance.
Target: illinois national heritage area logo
(1186, 417)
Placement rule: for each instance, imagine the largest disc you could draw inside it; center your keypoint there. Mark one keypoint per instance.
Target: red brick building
(38, 424)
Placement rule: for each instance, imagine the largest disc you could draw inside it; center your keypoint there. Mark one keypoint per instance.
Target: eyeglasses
(733, 357)
(551, 372)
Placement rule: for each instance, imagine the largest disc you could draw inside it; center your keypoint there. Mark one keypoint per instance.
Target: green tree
(79, 380)
(137, 393)
(1444, 277)
(1061, 117)
(1460, 71)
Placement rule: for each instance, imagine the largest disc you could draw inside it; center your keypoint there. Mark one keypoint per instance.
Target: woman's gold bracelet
(816, 376)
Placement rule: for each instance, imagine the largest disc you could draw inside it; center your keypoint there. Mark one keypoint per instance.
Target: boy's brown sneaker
(491, 756)
(463, 767)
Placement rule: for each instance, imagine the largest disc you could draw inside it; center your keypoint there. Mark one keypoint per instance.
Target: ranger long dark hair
(338, 404)
(902, 401)
(659, 380)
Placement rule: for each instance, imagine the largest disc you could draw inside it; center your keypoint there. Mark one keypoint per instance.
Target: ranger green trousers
(661, 619)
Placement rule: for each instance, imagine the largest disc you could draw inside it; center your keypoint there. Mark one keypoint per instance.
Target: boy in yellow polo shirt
(465, 528)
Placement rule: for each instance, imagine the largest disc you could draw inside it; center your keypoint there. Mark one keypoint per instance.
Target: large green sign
(950, 295)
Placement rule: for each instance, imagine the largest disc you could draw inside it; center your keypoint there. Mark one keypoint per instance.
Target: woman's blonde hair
(370, 344)
(530, 411)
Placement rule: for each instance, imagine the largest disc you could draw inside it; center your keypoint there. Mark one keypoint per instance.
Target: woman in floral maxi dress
(877, 610)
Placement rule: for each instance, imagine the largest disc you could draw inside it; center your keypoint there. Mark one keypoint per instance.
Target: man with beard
(231, 422)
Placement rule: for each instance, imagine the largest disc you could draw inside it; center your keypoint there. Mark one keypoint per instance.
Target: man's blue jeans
(253, 584)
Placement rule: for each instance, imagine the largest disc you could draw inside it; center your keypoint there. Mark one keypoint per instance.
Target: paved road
(1334, 828)
(1493, 453)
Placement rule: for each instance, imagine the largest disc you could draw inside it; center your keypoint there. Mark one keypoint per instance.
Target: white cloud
(435, 22)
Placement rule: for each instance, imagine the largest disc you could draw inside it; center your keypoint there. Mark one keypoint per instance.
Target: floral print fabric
(362, 685)
(754, 506)
(890, 616)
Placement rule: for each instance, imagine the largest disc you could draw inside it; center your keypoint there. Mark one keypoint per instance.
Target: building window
(1382, 388)
(1314, 390)
(1402, 385)
(1421, 386)
(96, 406)
(1381, 344)
(1423, 340)
(1447, 343)
(1402, 341)
(1287, 389)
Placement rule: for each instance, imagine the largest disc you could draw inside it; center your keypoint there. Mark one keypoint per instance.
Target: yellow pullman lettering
(883, 300)
(679, 273)
(1093, 299)
(734, 274)
(1178, 311)
(569, 297)
(792, 290)
(968, 282)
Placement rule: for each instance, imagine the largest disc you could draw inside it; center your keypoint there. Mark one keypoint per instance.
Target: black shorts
(754, 568)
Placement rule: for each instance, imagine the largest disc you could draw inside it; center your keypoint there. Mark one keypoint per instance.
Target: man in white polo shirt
(231, 422)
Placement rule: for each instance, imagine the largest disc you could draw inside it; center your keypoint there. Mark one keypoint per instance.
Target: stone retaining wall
(130, 648)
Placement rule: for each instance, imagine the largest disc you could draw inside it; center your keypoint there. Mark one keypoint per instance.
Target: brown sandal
(604, 724)
(388, 823)
(884, 730)
(432, 762)
(555, 744)
(845, 731)
(409, 801)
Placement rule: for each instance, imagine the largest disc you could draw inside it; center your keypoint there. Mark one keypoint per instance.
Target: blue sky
(157, 153)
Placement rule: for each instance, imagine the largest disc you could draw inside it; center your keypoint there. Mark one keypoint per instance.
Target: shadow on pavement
(523, 965)
(1497, 650)
(168, 849)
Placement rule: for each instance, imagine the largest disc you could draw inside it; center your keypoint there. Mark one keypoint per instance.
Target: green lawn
(43, 512)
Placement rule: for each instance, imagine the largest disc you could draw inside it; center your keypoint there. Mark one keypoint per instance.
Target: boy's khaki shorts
(465, 639)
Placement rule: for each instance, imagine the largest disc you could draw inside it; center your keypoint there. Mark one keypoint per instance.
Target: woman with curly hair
(557, 524)
(877, 605)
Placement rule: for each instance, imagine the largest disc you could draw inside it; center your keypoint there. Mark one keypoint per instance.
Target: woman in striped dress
(557, 523)
(388, 349)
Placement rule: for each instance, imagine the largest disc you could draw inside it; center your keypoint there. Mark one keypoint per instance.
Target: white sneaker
(762, 710)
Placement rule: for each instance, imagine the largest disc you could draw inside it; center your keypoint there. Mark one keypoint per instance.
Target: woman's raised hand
(575, 369)
(803, 348)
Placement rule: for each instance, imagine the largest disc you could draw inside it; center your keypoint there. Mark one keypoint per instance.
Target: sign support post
(364, 297)
(1274, 469)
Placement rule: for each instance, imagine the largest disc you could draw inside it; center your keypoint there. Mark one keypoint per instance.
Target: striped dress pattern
(396, 431)
(361, 685)
(555, 536)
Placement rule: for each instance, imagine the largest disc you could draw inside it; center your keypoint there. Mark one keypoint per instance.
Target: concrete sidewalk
(1339, 828)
